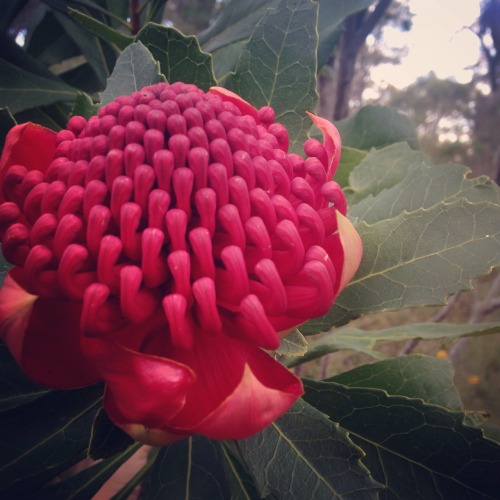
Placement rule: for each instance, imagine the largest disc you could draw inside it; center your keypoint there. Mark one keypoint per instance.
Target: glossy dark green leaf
(120, 8)
(15, 388)
(416, 450)
(96, 9)
(10, 10)
(134, 69)
(17, 56)
(277, 66)
(191, 468)
(102, 30)
(491, 431)
(377, 127)
(41, 439)
(69, 50)
(304, 455)
(418, 258)
(20, 90)
(7, 121)
(51, 45)
(181, 58)
(416, 376)
(154, 11)
(240, 483)
(106, 439)
(54, 116)
(87, 483)
(96, 51)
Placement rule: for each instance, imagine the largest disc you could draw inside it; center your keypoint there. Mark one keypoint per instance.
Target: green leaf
(180, 56)
(87, 483)
(154, 12)
(376, 127)
(12, 53)
(380, 170)
(7, 121)
(93, 8)
(60, 45)
(404, 180)
(97, 52)
(349, 159)
(10, 10)
(364, 341)
(418, 258)
(21, 90)
(416, 376)
(134, 69)
(234, 23)
(106, 439)
(54, 116)
(304, 455)
(491, 432)
(277, 66)
(416, 450)
(41, 439)
(294, 344)
(191, 468)
(225, 61)
(84, 106)
(15, 388)
(120, 8)
(239, 480)
(230, 30)
(102, 30)
(49, 43)
(334, 342)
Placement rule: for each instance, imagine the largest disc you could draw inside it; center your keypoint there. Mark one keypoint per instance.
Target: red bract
(161, 246)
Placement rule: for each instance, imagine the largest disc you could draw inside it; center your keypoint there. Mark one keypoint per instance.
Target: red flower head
(161, 246)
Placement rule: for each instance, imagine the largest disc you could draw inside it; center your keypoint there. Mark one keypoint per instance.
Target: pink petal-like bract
(163, 247)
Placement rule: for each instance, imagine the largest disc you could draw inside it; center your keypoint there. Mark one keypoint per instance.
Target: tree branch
(135, 16)
(373, 18)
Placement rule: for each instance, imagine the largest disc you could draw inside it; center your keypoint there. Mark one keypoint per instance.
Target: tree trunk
(356, 29)
(349, 48)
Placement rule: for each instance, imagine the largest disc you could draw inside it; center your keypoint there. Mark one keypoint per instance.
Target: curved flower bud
(162, 246)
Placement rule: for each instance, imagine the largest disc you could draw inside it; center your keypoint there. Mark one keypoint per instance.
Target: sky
(438, 41)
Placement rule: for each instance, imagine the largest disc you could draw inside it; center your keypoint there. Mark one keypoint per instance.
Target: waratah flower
(163, 247)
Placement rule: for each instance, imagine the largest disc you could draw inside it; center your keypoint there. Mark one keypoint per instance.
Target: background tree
(489, 26)
(345, 75)
(443, 112)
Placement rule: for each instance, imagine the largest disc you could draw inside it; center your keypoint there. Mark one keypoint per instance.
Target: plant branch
(135, 16)
(373, 18)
